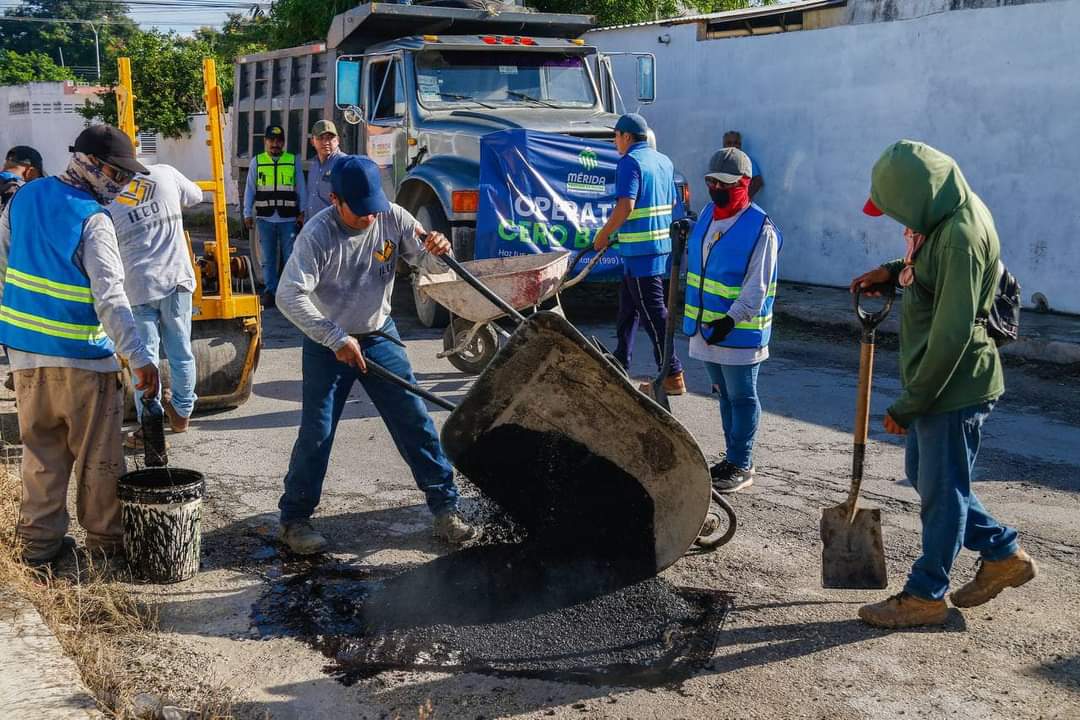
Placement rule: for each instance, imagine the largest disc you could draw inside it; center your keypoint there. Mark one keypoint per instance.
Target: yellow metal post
(215, 113)
(125, 101)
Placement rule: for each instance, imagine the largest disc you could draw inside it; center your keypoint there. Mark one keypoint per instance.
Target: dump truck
(415, 87)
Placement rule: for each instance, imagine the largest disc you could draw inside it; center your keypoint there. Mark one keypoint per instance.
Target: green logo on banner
(588, 160)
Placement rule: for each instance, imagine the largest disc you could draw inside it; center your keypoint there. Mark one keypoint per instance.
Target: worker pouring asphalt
(730, 287)
(644, 199)
(63, 318)
(337, 285)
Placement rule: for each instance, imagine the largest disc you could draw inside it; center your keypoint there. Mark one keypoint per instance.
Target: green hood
(917, 185)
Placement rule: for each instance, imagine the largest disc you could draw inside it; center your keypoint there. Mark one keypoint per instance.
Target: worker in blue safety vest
(644, 201)
(21, 165)
(730, 287)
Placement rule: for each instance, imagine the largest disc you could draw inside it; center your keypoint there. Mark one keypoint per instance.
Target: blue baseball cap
(355, 180)
(632, 123)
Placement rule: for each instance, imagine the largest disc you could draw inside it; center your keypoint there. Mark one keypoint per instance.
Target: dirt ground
(786, 649)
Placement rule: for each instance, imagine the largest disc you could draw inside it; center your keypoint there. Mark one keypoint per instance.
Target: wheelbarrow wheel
(719, 511)
(477, 354)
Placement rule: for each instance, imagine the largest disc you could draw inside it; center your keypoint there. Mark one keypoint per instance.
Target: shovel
(680, 231)
(853, 554)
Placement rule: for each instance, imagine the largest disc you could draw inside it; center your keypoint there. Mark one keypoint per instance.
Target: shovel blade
(853, 553)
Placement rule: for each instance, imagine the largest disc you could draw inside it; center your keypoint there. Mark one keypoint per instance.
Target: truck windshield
(533, 79)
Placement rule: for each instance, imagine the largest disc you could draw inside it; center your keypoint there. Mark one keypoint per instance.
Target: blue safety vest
(47, 306)
(711, 292)
(645, 231)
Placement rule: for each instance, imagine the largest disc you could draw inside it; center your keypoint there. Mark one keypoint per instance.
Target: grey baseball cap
(728, 165)
(323, 126)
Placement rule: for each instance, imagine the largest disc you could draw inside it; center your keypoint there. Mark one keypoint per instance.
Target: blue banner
(541, 192)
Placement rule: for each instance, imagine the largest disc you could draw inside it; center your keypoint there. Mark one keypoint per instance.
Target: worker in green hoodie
(951, 376)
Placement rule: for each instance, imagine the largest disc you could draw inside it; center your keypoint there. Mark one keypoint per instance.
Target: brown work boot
(673, 385)
(177, 422)
(993, 577)
(904, 610)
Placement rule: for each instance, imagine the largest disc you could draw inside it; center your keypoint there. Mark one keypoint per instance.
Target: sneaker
(177, 422)
(452, 528)
(993, 577)
(673, 385)
(904, 610)
(729, 478)
(302, 539)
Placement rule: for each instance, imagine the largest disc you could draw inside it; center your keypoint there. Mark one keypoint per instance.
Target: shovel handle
(862, 423)
(679, 232)
(569, 282)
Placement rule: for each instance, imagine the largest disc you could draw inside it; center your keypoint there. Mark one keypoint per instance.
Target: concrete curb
(37, 681)
(1044, 337)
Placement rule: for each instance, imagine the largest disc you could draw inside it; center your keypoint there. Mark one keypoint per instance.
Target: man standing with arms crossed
(645, 198)
(336, 288)
(324, 138)
(951, 376)
(63, 316)
(272, 195)
(159, 280)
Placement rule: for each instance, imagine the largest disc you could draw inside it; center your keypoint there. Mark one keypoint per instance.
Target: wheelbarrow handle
(569, 282)
(481, 288)
(379, 371)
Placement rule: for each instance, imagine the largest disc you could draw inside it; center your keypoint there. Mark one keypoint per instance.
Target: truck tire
(430, 313)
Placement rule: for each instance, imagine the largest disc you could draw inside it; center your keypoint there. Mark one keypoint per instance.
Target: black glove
(719, 329)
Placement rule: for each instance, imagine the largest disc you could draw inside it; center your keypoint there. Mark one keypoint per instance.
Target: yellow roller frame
(226, 305)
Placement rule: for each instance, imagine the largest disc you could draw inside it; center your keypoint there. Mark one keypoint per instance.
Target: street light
(97, 50)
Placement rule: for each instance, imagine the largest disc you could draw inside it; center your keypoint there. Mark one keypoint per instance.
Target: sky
(184, 16)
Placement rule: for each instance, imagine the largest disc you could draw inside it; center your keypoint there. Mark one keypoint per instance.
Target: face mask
(720, 196)
(729, 200)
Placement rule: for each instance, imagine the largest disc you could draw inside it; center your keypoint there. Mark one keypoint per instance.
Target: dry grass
(96, 621)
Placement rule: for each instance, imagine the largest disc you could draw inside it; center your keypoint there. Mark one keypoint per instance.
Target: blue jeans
(327, 383)
(940, 456)
(740, 409)
(166, 324)
(276, 243)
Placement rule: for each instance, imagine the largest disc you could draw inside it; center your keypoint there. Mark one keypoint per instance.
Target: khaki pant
(70, 420)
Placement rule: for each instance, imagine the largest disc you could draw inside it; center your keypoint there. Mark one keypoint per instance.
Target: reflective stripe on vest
(48, 307)
(275, 185)
(714, 283)
(645, 231)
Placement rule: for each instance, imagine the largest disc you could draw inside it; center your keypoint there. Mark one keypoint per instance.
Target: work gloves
(719, 329)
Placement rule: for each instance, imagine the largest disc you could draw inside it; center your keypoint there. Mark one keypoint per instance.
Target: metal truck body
(416, 87)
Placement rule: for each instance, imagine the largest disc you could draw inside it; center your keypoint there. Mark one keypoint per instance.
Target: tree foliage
(620, 12)
(166, 79)
(75, 41)
(20, 68)
(295, 22)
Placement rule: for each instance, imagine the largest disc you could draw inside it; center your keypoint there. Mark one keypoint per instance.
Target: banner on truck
(541, 192)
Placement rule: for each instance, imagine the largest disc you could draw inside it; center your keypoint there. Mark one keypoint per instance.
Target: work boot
(302, 539)
(904, 610)
(728, 477)
(673, 385)
(452, 528)
(65, 550)
(993, 577)
(177, 422)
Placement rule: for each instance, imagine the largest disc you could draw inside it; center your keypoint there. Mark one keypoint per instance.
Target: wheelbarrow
(557, 435)
(523, 282)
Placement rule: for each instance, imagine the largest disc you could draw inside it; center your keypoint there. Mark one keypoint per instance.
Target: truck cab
(415, 87)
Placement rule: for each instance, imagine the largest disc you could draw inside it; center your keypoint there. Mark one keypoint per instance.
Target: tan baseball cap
(323, 126)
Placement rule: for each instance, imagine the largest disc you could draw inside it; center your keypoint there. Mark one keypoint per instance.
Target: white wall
(51, 124)
(995, 88)
(191, 155)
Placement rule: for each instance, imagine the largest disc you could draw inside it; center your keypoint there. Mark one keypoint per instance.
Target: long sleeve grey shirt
(249, 193)
(99, 257)
(338, 281)
(751, 298)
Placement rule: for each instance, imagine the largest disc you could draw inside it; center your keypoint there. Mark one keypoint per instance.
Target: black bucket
(162, 515)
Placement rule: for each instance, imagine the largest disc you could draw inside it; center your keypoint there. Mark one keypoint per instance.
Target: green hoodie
(947, 360)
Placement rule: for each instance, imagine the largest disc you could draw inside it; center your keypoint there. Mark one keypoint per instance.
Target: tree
(166, 79)
(295, 22)
(75, 41)
(620, 12)
(19, 68)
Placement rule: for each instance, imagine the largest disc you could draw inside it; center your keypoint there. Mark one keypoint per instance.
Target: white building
(820, 87)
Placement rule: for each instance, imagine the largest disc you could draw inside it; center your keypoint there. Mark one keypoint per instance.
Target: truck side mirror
(646, 78)
(347, 88)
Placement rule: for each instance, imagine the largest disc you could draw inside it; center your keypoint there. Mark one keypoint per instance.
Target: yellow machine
(226, 333)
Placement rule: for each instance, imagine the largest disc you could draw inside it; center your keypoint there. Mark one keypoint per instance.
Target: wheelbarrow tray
(523, 281)
(557, 435)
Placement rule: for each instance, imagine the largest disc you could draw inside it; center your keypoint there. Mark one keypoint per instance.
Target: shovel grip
(862, 423)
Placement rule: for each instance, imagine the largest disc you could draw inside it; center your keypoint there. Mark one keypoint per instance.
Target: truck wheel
(430, 313)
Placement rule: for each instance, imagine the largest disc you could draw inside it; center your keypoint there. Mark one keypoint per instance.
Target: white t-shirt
(150, 232)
